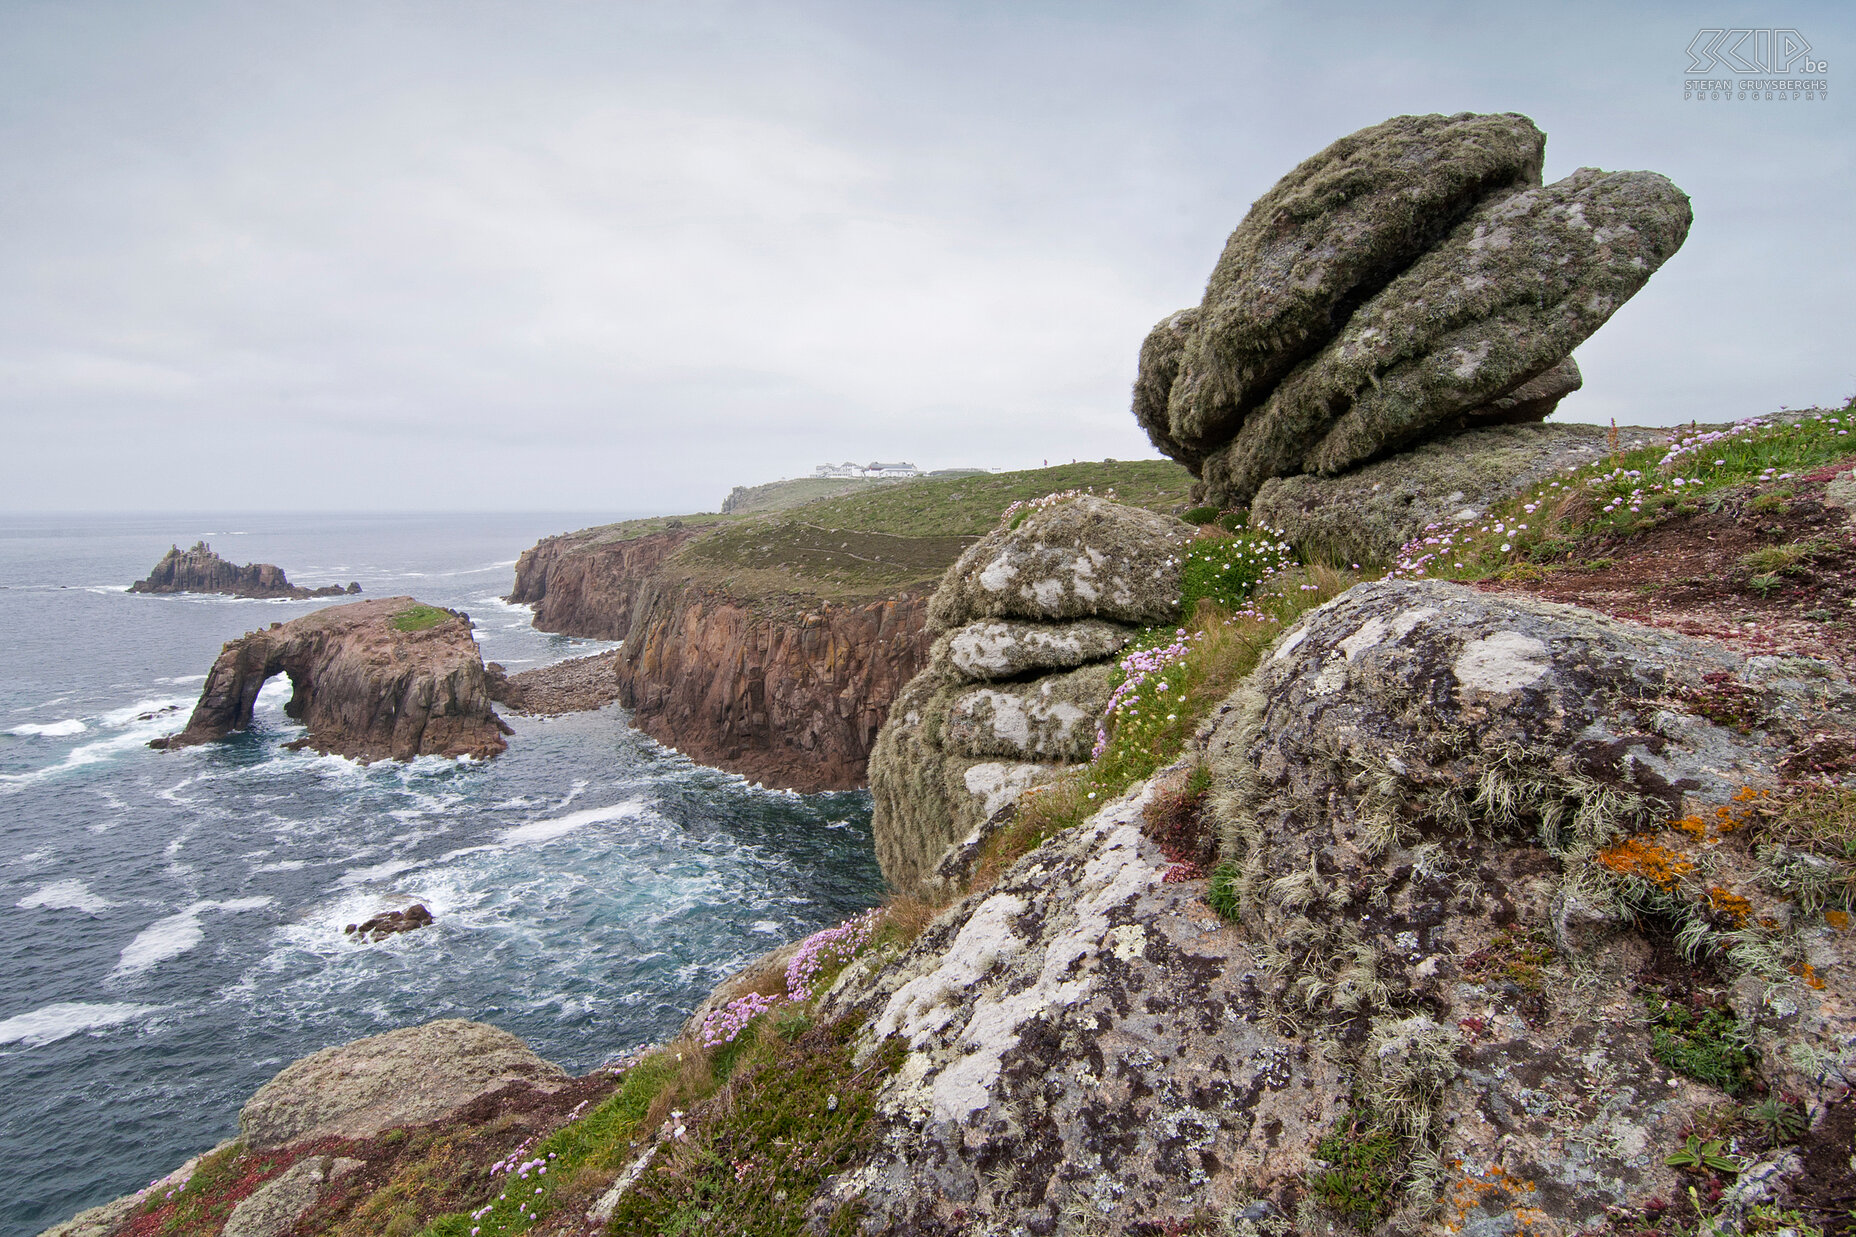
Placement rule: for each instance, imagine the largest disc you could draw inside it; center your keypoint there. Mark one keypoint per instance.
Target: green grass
(1633, 491)
(1363, 1184)
(797, 1112)
(1709, 1046)
(419, 618)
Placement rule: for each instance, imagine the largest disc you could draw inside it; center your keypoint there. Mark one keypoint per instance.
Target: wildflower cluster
(1160, 669)
(817, 953)
(839, 944)
(1013, 515)
(1628, 493)
(1227, 570)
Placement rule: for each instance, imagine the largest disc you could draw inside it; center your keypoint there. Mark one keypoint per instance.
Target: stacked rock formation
(1412, 280)
(1027, 624)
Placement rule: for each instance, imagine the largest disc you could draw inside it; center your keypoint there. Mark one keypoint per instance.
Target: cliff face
(790, 698)
(376, 679)
(200, 570)
(583, 588)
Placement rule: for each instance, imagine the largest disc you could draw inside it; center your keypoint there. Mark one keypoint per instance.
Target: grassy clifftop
(881, 538)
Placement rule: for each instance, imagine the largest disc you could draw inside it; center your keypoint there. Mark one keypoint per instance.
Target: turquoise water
(171, 923)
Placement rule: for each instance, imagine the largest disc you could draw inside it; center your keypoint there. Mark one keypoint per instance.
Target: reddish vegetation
(1687, 574)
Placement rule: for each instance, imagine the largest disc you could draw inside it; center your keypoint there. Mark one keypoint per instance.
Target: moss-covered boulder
(1501, 301)
(1085, 557)
(995, 649)
(1327, 236)
(1366, 515)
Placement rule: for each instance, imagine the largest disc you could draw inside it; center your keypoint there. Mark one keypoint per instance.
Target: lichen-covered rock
(1000, 649)
(404, 1077)
(1366, 515)
(1328, 235)
(274, 1208)
(1083, 558)
(1153, 383)
(1050, 719)
(1533, 400)
(1504, 298)
(1413, 790)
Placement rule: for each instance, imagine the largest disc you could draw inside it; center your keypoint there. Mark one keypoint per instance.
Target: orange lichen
(1808, 973)
(1693, 824)
(1730, 904)
(1840, 920)
(1645, 860)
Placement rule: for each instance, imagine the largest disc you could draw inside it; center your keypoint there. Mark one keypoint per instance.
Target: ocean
(171, 922)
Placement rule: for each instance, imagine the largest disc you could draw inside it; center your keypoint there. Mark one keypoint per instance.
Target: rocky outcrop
(1366, 515)
(790, 695)
(1475, 852)
(199, 570)
(404, 1077)
(373, 680)
(1031, 617)
(390, 923)
(582, 584)
(572, 686)
(1411, 280)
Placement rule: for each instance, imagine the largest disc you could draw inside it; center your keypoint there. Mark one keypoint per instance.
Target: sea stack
(393, 678)
(200, 570)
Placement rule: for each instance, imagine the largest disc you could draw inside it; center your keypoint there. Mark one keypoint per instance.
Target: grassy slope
(880, 539)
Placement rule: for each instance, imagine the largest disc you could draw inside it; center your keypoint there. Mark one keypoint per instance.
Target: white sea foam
(184, 678)
(50, 730)
(51, 1023)
(378, 872)
(144, 711)
(175, 935)
(548, 830)
(66, 895)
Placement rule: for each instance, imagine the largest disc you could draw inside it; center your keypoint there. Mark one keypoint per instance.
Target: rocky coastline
(1235, 892)
(200, 570)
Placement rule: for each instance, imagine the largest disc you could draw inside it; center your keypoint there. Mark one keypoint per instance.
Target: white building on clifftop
(872, 469)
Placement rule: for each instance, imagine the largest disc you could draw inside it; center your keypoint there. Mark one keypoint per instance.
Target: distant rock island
(200, 570)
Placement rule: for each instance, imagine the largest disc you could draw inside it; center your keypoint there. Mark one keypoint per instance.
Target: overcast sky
(622, 256)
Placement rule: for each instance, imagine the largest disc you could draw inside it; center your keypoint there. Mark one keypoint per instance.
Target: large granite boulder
(1031, 618)
(1367, 514)
(1500, 302)
(1327, 236)
(404, 1077)
(1085, 557)
(1433, 1002)
(1411, 280)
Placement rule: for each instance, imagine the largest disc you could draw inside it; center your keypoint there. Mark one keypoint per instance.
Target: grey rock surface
(1000, 649)
(1506, 296)
(275, 1207)
(1086, 557)
(1367, 514)
(1050, 719)
(1327, 236)
(1417, 777)
(404, 1077)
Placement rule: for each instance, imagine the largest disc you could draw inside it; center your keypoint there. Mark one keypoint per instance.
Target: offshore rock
(200, 570)
(1501, 301)
(1085, 557)
(404, 1077)
(1368, 514)
(1328, 235)
(992, 650)
(364, 687)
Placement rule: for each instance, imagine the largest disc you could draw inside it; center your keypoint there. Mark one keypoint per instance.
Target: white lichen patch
(998, 783)
(1503, 662)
